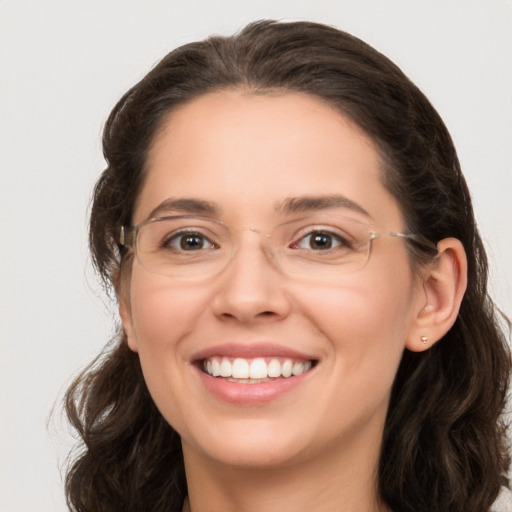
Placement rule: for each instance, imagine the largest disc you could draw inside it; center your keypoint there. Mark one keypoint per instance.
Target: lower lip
(251, 394)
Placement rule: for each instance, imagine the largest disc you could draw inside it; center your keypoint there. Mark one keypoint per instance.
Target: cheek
(162, 313)
(365, 321)
(163, 317)
(362, 306)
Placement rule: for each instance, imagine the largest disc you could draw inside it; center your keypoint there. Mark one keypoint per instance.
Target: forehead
(248, 152)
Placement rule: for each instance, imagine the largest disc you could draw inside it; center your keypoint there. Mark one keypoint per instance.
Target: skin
(316, 447)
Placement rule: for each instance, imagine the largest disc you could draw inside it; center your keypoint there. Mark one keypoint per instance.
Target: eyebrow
(184, 205)
(303, 204)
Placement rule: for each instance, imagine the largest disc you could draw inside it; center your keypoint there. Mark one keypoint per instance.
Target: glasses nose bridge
(264, 244)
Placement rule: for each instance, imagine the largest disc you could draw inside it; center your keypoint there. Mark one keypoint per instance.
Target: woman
(302, 290)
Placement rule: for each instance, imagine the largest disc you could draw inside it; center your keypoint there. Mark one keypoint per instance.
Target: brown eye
(188, 242)
(320, 241)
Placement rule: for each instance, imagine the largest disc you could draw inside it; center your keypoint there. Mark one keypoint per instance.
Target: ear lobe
(444, 284)
(126, 320)
(122, 285)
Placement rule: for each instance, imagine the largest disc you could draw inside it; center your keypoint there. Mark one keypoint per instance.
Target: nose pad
(250, 286)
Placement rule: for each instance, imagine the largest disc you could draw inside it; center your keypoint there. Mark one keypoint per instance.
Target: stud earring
(424, 340)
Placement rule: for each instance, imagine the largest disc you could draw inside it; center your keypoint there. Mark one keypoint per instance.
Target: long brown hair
(444, 443)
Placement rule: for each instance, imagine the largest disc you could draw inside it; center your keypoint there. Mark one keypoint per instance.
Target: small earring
(424, 340)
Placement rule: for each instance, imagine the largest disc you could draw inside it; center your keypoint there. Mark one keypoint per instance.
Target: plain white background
(64, 63)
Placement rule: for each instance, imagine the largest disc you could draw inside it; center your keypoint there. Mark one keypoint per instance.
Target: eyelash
(340, 240)
(334, 239)
(180, 235)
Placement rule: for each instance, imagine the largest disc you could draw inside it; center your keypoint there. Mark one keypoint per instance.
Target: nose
(250, 288)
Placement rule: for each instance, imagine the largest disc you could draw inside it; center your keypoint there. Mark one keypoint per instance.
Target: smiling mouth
(255, 370)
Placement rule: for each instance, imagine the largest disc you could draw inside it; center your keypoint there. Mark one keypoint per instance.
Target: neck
(341, 482)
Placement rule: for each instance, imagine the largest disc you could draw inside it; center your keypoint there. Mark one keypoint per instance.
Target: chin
(250, 444)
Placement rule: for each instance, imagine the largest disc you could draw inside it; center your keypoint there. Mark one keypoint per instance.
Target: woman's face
(254, 162)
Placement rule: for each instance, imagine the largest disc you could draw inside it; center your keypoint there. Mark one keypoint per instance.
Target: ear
(444, 283)
(126, 320)
(125, 310)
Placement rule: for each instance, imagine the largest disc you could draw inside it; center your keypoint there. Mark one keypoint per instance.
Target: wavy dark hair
(444, 443)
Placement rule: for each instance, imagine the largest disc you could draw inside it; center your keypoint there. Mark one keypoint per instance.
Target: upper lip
(252, 350)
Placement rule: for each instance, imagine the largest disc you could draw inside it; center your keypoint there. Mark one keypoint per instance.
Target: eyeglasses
(319, 246)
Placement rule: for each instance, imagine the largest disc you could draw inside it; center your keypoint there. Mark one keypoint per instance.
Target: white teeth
(297, 368)
(286, 369)
(258, 369)
(274, 368)
(225, 368)
(239, 369)
(215, 368)
(254, 369)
